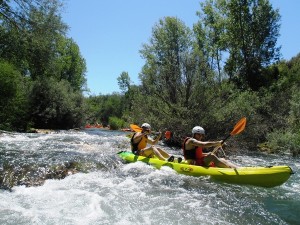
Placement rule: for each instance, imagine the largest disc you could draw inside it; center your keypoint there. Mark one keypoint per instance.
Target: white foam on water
(55, 201)
(136, 193)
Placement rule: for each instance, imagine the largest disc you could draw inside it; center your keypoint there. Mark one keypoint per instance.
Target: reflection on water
(77, 178)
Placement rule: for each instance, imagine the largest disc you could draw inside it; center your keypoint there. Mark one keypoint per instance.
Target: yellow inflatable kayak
(270, 176)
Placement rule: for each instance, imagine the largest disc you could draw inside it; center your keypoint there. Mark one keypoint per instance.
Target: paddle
(135, 128)
(238, 128)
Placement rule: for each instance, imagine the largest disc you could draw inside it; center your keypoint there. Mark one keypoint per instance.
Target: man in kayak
(193, 151)
(139, 143)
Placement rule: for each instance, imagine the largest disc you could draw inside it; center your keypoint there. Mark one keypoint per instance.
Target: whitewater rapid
(103, 189)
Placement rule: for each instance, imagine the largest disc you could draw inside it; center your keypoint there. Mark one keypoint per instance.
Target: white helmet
(198, 130)
(146, 125)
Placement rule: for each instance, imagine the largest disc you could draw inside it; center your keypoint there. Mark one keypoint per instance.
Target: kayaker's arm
(154, 142)
(204, 144)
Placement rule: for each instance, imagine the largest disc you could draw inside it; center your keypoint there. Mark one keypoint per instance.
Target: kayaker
(139, 143)
(193, 150)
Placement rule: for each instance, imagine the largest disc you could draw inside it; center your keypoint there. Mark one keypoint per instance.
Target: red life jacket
(168, 135)
(195, 154)
(135, 147)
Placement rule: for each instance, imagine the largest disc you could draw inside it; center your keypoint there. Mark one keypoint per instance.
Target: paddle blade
(135, 128)
(239, 127)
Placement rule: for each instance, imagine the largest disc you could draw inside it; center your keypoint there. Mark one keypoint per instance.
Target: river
(76, 178)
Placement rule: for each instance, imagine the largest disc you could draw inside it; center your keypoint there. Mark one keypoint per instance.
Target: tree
(101, 108)
(44, 33)
(54, 105)
(13, 98)
(124, 82)
(252, 32)
(32, 45)
(209, 31)
(33, 40)
(167, 73)
(245, 31)
(176, 78)
(68, 64)
(15, 11)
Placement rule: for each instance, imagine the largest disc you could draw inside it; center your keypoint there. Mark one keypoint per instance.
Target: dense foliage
(225, 67)
(42, 72)
(101, 108)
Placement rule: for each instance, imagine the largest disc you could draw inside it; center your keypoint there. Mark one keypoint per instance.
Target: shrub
(116, 123)
(284, 142)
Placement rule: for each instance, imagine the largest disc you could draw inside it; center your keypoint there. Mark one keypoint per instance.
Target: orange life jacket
(135, 147)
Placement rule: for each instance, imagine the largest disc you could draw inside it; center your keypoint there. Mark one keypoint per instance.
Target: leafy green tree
(43, 36)
(55, 105)
(13, 47)
(34, 40)
(252, 31)
(289, 72)
(284, 133)
(13, 98)
(210, 34)
(16, 11)
(246, 32)
(39, 46)
(167, 73)
(32, 30)
(124, 82)
(101, 108)
(68, 64)
(111, 107)
(177, 82)
(93, 109)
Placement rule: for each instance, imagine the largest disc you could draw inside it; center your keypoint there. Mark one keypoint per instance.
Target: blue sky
(110, 33)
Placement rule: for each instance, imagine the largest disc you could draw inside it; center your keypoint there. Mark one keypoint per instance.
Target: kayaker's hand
(219, 143)
(158, 136)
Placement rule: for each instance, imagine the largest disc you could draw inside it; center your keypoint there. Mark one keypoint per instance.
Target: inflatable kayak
(270, 176)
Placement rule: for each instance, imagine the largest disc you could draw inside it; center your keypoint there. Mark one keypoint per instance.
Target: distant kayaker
(139, 143)
(193, 150)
